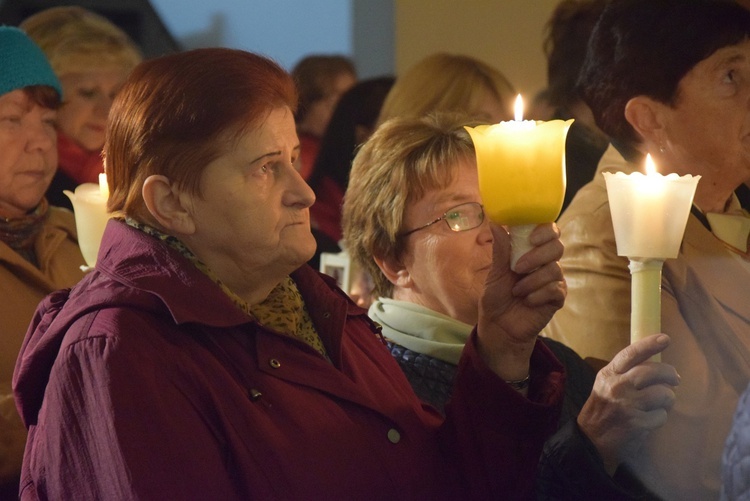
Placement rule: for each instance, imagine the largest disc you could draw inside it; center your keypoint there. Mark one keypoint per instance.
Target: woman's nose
(41, 136)
(299, 193)
(485, 232)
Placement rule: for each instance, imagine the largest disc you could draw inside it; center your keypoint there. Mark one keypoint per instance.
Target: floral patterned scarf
(20, 233)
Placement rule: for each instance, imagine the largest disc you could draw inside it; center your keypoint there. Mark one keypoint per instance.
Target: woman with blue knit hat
(38, 247)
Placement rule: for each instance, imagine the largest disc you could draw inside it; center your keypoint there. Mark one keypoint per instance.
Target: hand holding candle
(649, 214)
(521, 166)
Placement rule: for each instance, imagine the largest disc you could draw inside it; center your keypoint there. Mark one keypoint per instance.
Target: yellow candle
(521, 166)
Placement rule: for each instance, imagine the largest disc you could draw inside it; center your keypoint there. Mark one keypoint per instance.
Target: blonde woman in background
(91, 57)
(451, 82)
(443, 82)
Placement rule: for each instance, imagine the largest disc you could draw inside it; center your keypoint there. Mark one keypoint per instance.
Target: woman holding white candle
(671, 78)
(414, 219)
(38, 248)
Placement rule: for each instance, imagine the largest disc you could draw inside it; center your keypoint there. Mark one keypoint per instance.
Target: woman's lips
(34, 174)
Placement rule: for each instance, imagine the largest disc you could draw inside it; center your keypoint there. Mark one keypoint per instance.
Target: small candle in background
(90, 209)
(103, 186)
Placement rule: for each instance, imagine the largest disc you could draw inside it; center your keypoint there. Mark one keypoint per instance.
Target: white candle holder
(90, 209)
(649, 214)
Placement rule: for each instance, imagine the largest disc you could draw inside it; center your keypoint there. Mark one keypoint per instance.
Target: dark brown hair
(646, 47)
(43, 95)
(315, 76)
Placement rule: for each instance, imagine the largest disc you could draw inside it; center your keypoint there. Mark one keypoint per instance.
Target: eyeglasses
(460, 218)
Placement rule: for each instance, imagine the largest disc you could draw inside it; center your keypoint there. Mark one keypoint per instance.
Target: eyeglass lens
(465, 217)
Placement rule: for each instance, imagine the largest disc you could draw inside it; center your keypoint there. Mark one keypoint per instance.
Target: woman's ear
(167, 205)
(645, 116)
(395, 272)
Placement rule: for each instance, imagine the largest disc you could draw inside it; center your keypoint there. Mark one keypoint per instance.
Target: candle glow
(103, 186)
(518, 109)
(521, 169)
(649, 213)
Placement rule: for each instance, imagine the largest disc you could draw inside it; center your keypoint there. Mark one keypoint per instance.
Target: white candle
(90, 209)
(649, 214)
(645, 298)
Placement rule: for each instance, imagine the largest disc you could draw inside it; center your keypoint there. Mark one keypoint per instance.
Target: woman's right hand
(631, 397)
(516, 306)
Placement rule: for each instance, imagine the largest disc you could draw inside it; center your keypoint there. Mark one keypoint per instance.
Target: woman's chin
(304, 250)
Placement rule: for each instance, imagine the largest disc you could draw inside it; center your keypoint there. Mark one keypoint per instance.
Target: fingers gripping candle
(521, 167)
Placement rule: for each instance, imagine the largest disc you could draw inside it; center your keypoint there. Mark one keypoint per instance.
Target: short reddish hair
(43, 95)
(178, 113)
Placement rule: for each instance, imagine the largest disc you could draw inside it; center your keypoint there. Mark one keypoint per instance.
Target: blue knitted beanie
(22, 63)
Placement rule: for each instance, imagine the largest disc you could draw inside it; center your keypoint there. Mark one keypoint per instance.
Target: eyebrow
(731, 58)
(271, 154)
(452, 198)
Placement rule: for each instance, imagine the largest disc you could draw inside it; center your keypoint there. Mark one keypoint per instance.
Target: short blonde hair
(446, 82)
(76, 40)
(402, 160)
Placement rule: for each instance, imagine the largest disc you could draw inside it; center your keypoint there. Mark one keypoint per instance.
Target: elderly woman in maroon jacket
(202, 359)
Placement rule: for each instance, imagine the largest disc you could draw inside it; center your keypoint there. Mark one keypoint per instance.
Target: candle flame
(518, 108)
(650, 165)
(103, 186)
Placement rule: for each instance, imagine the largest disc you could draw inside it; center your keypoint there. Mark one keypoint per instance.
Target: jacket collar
(144, 263)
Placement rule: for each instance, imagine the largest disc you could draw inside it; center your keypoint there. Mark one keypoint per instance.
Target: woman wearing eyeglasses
(413, 218)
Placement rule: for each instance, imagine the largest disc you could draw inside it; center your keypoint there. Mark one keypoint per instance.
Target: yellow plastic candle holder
(521, 167)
